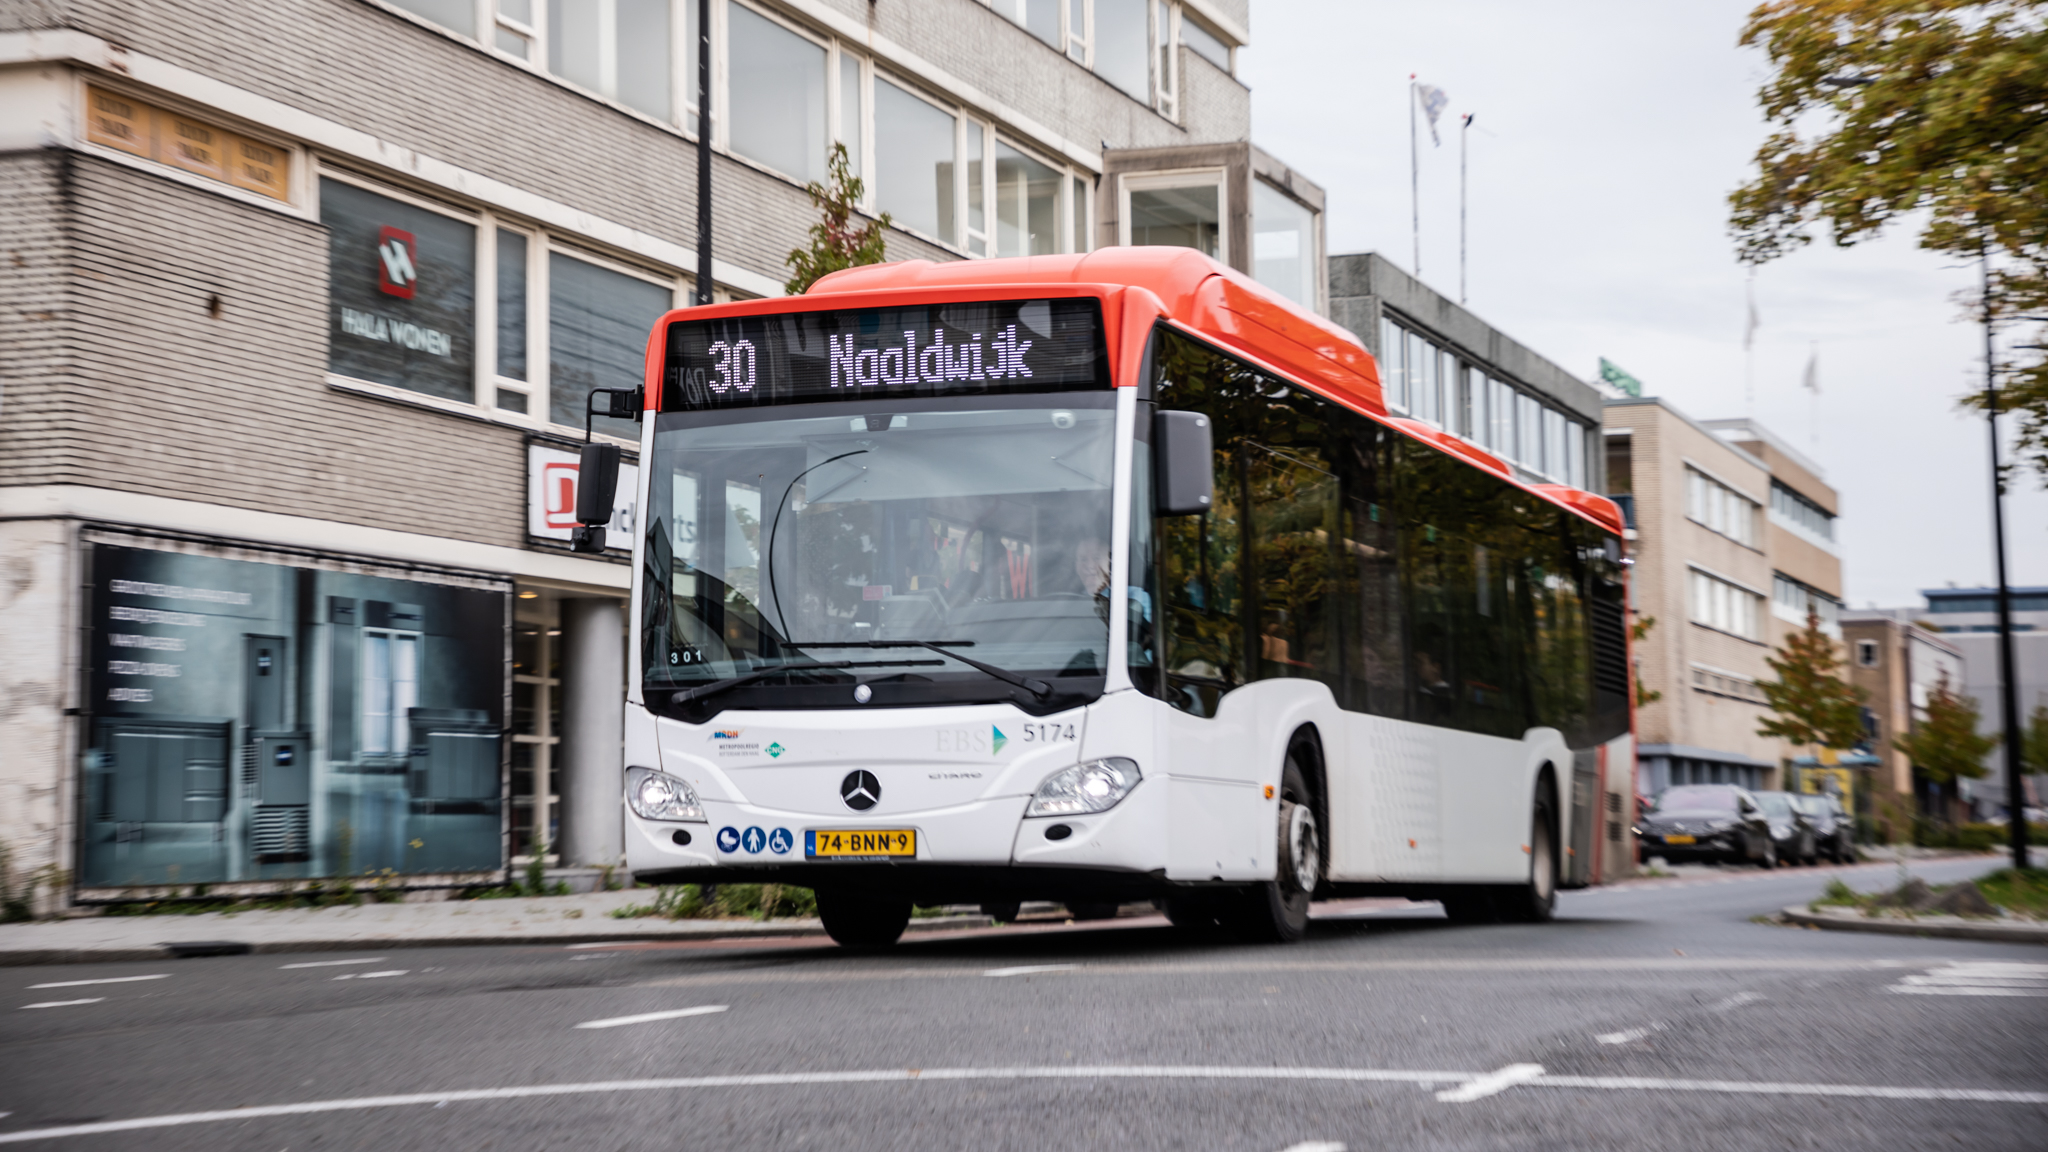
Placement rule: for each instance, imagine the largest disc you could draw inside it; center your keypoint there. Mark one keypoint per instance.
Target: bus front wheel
(860, 920)
(1277, 911)
(1535, 901)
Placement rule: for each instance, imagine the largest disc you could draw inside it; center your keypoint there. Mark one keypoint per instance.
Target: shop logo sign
(558, 491)
(397, 273)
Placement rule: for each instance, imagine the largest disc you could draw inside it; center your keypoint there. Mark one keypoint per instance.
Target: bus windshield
(783, 540)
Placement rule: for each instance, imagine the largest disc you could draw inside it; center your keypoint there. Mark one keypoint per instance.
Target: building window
(1529, 432)
(1078, 205)
(1714, 505)
(1500, 409)
(914, 162)
(1284, 244)
(402, 281)
(598, 321)
(454, 15)
(1723, 606)
(616, 48)
(1791, 600)
(1800, 514)
(1123, 46)
(1179, 209)
(1041, 18)
(1204, 43)
(1866, 653)
(776, 110)
(1575, 454)
(1027, 205)
(853, 130)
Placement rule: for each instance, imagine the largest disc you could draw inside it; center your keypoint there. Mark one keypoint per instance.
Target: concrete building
(304, 299)
(1446, 367)
(1968, 621)
(1724, 580)
(1898, 664)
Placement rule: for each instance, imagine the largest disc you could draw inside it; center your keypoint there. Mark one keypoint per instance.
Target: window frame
(541, 242)
(1714, 583)
(1166, 180)
(1703, 489)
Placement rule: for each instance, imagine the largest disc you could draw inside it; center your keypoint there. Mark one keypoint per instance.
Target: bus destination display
(926, 350)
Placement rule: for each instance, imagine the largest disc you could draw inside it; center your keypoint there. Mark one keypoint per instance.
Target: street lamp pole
(2008, 693)
(703, 151)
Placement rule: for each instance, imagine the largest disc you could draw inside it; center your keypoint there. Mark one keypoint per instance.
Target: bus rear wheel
(1535, 901)
(1276, 911)
(861, 920)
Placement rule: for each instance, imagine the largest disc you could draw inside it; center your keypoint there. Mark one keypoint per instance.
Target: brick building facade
(301, 301)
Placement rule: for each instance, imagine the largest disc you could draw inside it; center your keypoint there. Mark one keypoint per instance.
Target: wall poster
(256, 719)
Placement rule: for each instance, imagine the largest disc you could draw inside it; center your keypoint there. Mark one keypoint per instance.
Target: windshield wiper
(1038, 688)
(716, 686)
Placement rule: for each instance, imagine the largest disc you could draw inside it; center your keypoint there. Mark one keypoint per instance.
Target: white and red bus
(1097, 579)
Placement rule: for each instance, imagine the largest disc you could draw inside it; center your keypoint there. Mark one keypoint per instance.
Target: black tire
(1535, 900)
(1093, 909)
(861, 920)
(1843, 854)
(1002, 911)
(1276, 911)
(1770, 856)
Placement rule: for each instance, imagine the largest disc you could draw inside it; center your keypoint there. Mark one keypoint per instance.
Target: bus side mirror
(597, 487)
(1186, 465)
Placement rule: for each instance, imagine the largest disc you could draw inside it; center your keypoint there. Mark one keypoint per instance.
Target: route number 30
(738, 366)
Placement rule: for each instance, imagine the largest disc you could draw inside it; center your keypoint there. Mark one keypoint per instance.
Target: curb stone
(23, 957)
(1945, 927)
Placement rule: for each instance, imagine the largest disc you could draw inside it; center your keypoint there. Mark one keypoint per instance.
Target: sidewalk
(573, 919)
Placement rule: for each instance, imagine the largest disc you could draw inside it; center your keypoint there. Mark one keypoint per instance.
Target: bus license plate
(860, 842)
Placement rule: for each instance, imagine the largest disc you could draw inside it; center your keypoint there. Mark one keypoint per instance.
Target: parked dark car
(1792, 833)
(1834, 830)
(1714, 822)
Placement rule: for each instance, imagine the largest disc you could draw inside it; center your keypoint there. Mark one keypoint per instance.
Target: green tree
(2034, 743)
(837, 240)
(1815, 707)
(1926, 109)
(1946, 746)
(1638, 631)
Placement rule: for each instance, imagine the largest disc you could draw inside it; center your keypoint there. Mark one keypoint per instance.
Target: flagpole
(1414, 179)
(1749, 349)
(1463, 133)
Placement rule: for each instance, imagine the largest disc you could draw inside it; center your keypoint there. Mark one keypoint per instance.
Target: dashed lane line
(650, 1017)
(1983, 978)
(330, 963)
(102, 980)
(1030, 969)
(64, 1003)
(1110, 1072)
(1491, 1084)
(1304, 1146)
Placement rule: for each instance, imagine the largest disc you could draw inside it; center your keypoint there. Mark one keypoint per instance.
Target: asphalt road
(1651, 1016)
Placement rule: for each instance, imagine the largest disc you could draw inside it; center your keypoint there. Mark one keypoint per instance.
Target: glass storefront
(254, 720)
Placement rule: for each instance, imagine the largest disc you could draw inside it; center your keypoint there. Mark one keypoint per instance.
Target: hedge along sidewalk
(1947, 927)
(577, 919)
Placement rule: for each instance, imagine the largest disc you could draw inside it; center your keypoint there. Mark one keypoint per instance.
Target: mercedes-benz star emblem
(862, 694)
(860, 790)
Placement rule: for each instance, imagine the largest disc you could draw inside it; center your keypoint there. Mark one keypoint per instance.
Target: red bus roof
(1140, 286)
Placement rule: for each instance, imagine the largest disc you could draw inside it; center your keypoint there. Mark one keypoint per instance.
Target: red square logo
(558, 494)
(397, 263)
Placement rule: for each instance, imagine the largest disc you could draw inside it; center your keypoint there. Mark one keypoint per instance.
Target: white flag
(1433, 100)
(1812, 379)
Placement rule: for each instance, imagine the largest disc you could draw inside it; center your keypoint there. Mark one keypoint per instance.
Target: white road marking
(1622, 1037)
(106, 980)
(650, 1017)
(330, 963)
(1983, 978)
(1113, 1072)
(378, 975)
(1028, 969)
(1480, 1087)
(64, 1003)
(1738, 1000)
(1304, 1146)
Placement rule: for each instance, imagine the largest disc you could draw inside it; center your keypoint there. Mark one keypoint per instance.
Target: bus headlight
(1094, 786)
(659, 796)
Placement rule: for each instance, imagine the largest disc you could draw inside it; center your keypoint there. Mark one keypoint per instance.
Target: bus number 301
(737, 365)
(1047, 733)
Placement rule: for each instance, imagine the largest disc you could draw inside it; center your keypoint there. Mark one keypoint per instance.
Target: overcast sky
(1612, 134)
